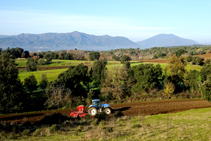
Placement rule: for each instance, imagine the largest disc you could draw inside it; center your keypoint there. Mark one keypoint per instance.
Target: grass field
(190, 125)
(53, 74)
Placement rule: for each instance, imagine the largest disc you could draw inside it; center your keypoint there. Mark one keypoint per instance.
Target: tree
(41, 61)
(48, 58)
(117, 85)
(44, 81)
(206, 89)
(98, 72)
(169, 89)
(30, 83)
(11, 89)
(193, 81)
(176, 67)
(189, 58)
(125, 58)
(75, 78)
(59, 97)
(31, 65)
(180, 52)
(147, 77)
(205, 72)
(94, 55)
(68, 56)
(25, 54)
(197, 60)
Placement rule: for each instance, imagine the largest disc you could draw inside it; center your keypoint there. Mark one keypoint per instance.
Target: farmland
(57, 64)
(141, 121)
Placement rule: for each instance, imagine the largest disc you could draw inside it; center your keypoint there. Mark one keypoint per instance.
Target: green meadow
(53, 74)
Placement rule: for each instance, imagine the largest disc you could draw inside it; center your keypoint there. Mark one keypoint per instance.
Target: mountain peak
(165, 40)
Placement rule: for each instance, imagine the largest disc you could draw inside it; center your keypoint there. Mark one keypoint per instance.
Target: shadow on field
(122, 109)
(20, 117)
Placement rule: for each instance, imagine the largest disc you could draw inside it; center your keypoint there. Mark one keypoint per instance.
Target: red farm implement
(80, 113)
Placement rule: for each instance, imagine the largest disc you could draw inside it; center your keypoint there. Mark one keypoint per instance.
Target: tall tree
(11, 88)
(48, 57)
(98, 72)
(31, 65)
(44, 81)
(147, 77)
(94, 55)
(30, 83)
(176, 67)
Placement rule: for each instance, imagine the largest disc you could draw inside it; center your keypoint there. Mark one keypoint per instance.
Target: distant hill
(65, 41)
(165, 40)
(83, 41)
(2, 36)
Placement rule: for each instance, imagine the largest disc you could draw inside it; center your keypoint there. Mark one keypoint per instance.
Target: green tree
(193, 80)
(205, 71)
(11, 89)
(30, 83)
(180, 52)
(41, 61)
(98, 72)
(147, 77)
(176, 67)
(31, 64)
(189, 58)
(206, 89)
(94, 55)
(44, 81)
(125, 58)
(75, 78)
(48, 58)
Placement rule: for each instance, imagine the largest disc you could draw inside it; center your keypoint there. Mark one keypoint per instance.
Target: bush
(54, 128)
(26, 132)
(136, 126)
(95, 122)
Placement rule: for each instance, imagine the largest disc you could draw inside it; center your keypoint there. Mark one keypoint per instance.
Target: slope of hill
(61, 41)
(165, 40)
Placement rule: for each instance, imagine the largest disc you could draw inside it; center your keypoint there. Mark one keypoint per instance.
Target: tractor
(98, 107)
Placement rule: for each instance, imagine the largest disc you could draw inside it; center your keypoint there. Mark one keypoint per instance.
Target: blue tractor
(97, 107)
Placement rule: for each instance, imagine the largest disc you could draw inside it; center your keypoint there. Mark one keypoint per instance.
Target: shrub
(54, 128)
(95, 122)
(26, 132)
(136, 126)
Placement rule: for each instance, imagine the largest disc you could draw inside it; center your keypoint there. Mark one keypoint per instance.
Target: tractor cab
(96, 102)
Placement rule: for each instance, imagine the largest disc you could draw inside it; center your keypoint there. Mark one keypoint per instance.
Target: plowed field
(129, 109)
(155, 61)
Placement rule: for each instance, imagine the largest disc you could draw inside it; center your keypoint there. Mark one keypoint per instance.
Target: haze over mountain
(83, 41)
(165, 40)
(61, 41)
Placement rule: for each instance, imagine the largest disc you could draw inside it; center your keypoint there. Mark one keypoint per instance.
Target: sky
(134, 19)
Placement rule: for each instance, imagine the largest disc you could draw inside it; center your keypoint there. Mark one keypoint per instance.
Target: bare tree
(59, 97)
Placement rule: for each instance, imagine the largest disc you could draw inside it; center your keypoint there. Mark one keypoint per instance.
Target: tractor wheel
(92, 111)
(107, 111)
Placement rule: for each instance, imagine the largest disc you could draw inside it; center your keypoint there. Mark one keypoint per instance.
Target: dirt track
(129, 109)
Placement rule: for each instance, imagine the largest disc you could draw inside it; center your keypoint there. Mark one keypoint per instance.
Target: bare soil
(154, 61)
(129, 109)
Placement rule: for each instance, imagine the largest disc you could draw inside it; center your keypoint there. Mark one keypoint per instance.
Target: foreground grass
(189, 125)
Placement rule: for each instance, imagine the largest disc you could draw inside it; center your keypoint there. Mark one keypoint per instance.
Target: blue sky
(134, 19)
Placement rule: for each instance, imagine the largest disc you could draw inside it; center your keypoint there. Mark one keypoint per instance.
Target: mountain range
(83, 41)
